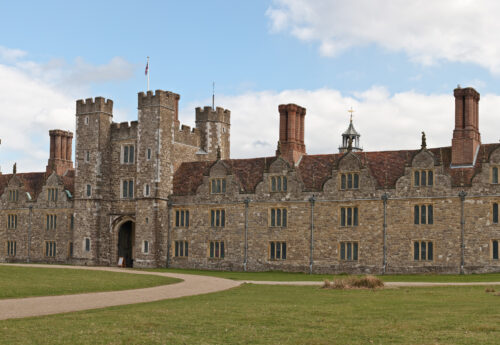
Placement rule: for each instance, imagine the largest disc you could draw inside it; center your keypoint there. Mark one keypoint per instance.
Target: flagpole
(148, 73)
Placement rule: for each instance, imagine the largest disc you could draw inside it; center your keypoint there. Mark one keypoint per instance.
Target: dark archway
(126, 241)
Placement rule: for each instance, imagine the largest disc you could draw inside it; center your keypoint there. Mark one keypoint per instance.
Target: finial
(424, 142)
(218, 153)
(213, 95)
(351, 111)
(349, 144)
(14, 168)
(278, 150)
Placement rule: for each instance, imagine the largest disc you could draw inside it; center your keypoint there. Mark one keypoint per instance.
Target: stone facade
(156, 193)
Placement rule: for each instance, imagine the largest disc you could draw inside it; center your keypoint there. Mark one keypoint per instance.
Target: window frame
(273, 251)
(181, 249)
(182, 218)
(52, 194)
(213, 246)
(218, 185)
(278, 183)
(125, 184)
(494, 174)
(145, 247)
(50, 221)
(343, 250)
(13, 195)
(426, 178)
(127, 154)
(427, 252)
(349, 178)
(88, 191)
(344, 216)
(423, 212)
(50, 249)
(273, 217)
(12, 221)
(11, 248)
(492, 250)
(215, 218)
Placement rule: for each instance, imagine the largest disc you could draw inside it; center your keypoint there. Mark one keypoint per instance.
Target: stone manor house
(157, 194)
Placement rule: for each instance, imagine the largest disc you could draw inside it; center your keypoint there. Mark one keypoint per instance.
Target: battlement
(209, 114)
(159, 97)
(97, 105)
(187, 136)
(124, 130)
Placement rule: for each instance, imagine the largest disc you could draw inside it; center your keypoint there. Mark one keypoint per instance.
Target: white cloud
(37, 97)
(386, 121)
(428, 31)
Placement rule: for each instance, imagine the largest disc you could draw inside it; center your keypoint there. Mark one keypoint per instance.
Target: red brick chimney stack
(292, 145)
(466, 137)
(60, 152)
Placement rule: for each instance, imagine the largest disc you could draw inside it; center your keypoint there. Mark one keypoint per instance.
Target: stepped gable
(314, 170)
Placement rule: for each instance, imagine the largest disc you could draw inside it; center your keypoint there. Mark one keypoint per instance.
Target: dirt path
(36, 306)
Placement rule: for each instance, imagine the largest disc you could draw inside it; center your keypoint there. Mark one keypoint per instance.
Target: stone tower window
(89, 190)
(50, 248)
(494, 175)
(87, 244)
(127, 189)
(495, 213)
(87, 156)
(423, 178)
(423, 250)
(128, 154)
(216, 250)
(86, 120)
(423, 214)
(51, 222)
(494, 249)
(145, 247)
(148, 154)
(146, 190)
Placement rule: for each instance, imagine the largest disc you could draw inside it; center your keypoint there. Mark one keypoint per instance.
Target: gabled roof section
(34, 181)
(314, 170)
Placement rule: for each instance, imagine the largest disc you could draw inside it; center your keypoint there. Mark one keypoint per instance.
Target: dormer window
(218, 186)
(279, 184)
(423, 178)
(349, 181)
(128, 154)
(13, 195)
(52, 194)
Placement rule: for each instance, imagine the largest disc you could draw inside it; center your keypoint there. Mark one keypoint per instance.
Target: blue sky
(396, 64)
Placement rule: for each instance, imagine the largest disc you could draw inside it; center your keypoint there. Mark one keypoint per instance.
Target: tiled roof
(34, 181)
(314, 170)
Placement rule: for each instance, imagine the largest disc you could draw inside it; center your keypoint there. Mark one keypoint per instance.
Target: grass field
(38, 281)
(253, 314)
(286, 276)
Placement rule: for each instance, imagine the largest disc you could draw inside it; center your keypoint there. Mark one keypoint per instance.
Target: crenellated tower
(214, 126)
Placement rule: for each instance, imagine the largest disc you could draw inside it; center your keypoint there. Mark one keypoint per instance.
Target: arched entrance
(126, 242)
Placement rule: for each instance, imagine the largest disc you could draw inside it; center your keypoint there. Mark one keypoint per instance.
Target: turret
(214, 126)
(350, 139)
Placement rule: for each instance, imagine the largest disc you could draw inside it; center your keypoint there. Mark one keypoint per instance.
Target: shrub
(489, 290)
(364, 282)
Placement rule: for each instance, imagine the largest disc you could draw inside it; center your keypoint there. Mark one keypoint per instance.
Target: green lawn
(38, 281)
(253, 314)
(286, 276)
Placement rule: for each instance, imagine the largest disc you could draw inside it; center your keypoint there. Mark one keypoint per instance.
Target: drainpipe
(385, 197)
(462, 196)
(29, 233)
(312, 200)
(245, 259)
(169, 206)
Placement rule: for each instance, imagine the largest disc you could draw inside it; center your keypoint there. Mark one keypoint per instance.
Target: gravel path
(36, 306)
(191, 285)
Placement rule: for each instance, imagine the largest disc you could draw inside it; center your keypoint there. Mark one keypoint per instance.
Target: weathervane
(351, 111)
